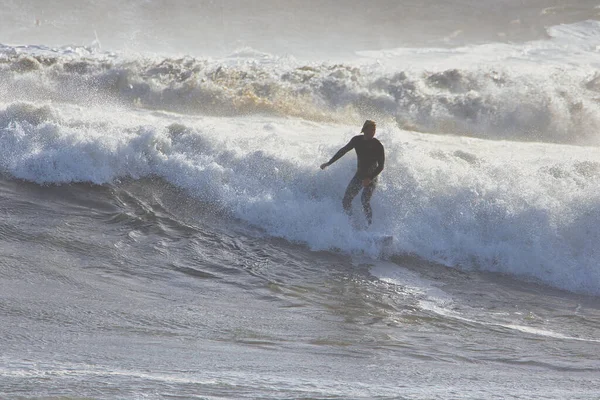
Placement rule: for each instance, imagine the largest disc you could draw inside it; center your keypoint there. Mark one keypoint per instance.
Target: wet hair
(368, 125)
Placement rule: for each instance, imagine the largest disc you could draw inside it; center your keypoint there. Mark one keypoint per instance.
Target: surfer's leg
(351, 192)
(366, 201)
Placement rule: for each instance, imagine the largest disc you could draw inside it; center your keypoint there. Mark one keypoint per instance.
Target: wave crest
(550, 104)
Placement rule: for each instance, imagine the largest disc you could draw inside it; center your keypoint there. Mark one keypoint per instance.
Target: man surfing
(370, 158)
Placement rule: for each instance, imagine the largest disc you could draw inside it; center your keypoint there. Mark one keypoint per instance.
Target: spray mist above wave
(547, 102)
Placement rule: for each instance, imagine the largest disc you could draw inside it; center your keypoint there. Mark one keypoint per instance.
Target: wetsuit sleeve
(343, 151)
(380, 163)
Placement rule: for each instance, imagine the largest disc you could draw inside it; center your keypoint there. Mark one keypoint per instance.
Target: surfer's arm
(380, 164)
(340, 153)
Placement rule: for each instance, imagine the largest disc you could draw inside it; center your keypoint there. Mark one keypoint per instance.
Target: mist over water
(165, 230)
(309, 29)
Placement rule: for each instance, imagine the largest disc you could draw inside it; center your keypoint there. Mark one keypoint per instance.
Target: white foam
(411, 283)
(522, 209)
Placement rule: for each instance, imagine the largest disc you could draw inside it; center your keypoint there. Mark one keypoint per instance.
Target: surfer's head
(369, 128)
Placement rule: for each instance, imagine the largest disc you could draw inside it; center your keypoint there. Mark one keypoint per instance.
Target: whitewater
(166, 232)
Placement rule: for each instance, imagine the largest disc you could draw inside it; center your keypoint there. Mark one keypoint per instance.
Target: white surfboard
(384, 243)
(383, 238)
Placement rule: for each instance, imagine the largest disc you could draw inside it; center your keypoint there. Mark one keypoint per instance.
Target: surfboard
(384, 243)
(383, 238)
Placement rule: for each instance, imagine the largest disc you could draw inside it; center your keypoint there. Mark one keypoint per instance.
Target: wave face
(525, 209)
(481, 169)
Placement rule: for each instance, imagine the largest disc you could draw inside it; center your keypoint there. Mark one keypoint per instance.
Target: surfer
(370, 159)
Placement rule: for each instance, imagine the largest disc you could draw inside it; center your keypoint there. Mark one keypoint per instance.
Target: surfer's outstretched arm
(340, 153)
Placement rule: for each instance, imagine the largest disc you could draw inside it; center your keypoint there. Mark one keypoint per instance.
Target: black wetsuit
(370, 158)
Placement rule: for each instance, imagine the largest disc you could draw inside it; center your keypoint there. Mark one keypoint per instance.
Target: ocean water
(166, 232)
